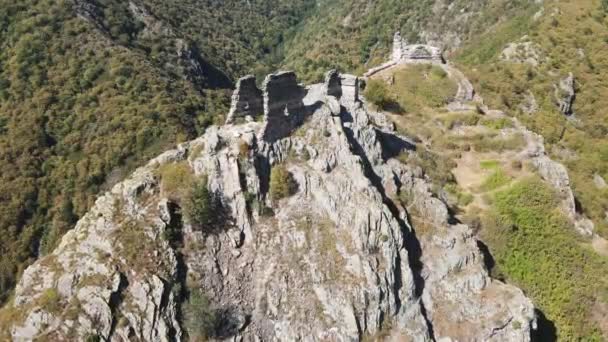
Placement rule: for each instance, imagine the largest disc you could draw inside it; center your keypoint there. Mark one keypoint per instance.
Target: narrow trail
(468, 173)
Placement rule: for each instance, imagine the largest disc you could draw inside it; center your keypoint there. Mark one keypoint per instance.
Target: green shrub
(495, 180)
(281, 183)
(422, 86)
(176, 179)
(536, 247)
(199, 318)
(93, 338)
(378, 93)
(50, 300)
(203, 208)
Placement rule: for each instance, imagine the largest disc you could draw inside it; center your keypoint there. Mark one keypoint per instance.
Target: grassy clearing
(453, 120)
(496, 180)
(535, 247)
(424, 85)
(489, 164)
(497, 123)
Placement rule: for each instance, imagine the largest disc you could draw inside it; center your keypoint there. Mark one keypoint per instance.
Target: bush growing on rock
(377, 93)
(199, 317)
(202, 207)
(49, 300)
(177, 179)
(281, 183)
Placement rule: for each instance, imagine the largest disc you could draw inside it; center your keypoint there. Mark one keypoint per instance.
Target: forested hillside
(90, 89)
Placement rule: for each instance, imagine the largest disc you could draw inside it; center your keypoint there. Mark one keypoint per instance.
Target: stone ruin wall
(246, 101)
(281, 100)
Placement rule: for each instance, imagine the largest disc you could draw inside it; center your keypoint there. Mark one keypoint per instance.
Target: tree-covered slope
(239, 37)
(91, 88)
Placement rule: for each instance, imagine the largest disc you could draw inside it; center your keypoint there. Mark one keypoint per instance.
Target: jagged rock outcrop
(565, 94)
(247, 101)
(523, 51)
(557, 176)
(337, 260)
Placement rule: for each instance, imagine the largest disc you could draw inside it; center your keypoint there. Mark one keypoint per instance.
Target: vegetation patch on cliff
(535, 247)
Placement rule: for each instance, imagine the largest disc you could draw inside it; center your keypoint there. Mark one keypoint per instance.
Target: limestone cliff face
(337, 260)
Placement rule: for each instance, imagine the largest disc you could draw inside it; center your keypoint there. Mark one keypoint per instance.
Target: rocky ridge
(339, 259)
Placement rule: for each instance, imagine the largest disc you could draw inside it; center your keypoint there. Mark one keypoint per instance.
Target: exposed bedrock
(565, 94)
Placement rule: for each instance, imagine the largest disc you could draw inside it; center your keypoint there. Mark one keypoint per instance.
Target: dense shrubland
(535, 247)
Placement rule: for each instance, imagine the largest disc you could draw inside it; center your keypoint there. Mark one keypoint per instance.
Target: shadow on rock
(546, 331)
(393, 145)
